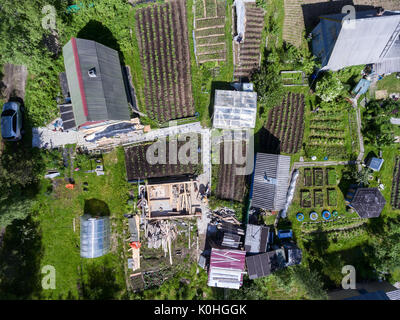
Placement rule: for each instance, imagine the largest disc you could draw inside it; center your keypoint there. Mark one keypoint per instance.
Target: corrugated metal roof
(266, 195)
(234, 109)
(258, 266)
(394, 295)
(226, 268)
(256, 239)
(388, 66)
(366, 41)
(102, 97)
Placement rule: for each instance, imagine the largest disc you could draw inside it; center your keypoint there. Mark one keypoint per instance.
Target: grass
(389, 83)
(203, 81)
(56, 212)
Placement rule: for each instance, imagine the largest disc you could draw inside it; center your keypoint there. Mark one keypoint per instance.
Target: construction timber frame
(173, 200)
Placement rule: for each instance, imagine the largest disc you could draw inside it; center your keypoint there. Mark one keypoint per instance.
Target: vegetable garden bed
(332, 197)
(164, 51)
(305, 198)
(318, 198)
(318, 177)
(285, 123)
(331, 178)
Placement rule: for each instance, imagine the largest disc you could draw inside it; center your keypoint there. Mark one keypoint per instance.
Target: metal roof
(100, 97)
(388, 66)
(270, 168)
(368, 39)
(256, 239)
(261, 265)
(226, 268)
(234, 109)
(258, 266)
(375, 163)
(394, 295)
(368, 202)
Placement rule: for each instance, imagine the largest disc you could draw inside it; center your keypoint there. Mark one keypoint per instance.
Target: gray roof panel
(267, 195)
(105, 94)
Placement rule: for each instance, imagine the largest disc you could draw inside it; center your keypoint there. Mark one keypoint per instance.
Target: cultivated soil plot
(327, 134)
(248, 55)
(305, 198)
(164, 51)
(318, 177)
(138, 167)
(210, 30)
(395, 197)
(318, 198)
(231, 186)
(308, 177)
(286, 123)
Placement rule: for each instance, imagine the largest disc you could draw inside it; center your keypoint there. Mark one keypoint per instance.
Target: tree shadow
(96, 207)
(347, 179)
(20, 258)
(312, 11)
(96, 31)
(369, 156)
(266, 142)
(100, 283)
(217, 85)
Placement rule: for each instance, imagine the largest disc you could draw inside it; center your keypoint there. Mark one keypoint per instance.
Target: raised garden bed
(318, 198)
(332, 197)
(307, 177)
(318, 177)
(331, 178)
(305, 196)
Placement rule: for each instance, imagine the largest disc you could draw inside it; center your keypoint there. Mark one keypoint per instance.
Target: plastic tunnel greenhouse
(95, 236)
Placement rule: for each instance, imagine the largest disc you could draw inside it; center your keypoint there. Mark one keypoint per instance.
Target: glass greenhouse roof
(95, 236)
(234, 109)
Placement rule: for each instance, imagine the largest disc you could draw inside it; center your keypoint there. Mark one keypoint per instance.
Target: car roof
(6, 127)
(10, 104)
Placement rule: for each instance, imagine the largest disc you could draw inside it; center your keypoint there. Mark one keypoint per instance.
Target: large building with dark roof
(270, 181)
(371, 37)
(95, 83)
(368, 202)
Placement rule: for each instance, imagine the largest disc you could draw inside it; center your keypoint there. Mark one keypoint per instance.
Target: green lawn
(389, 83)
(211, 75)
(56, 212)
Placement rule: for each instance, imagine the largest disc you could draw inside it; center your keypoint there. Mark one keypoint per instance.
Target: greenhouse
(235, 109)
(95, 236)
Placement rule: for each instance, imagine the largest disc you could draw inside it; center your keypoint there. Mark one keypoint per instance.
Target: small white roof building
(235, 109)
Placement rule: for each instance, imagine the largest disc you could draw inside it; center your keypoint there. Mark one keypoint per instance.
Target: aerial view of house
(218, 150)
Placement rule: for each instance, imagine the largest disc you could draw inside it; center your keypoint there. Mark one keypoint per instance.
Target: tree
(386, 248)
(267, 81)
(14, 209)
(329, 87)
(377, 128)
(362, 177)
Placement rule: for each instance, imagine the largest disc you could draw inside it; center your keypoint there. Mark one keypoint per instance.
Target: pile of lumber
(223, 215)
(160, 234)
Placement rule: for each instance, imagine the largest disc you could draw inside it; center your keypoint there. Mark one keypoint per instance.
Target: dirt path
(14, 80)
